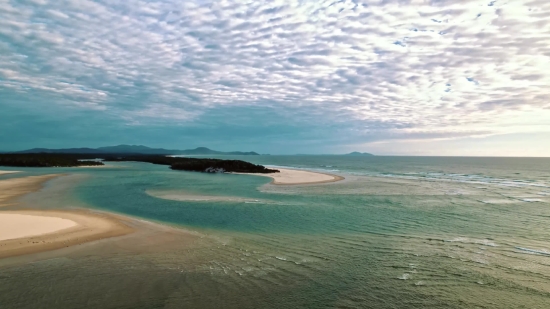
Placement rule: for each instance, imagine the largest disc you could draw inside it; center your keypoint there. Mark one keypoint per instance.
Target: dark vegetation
(46, 160)
(175, 163)
(198, 164)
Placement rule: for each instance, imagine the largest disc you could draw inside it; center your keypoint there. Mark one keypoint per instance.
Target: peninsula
(176, 163)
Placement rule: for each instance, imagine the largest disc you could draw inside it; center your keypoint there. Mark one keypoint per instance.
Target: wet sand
(11, 189)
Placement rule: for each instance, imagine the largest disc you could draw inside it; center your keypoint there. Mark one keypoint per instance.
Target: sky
(454, 78)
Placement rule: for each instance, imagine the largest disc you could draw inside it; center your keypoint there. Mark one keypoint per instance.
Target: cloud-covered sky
(391, 77)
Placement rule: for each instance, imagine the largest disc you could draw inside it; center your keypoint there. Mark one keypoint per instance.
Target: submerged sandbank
(299, 177)
(32, 231)
(184, 196)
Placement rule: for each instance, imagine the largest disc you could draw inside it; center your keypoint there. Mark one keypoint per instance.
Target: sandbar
(183, 196)
(8, 172)
(86, 226)
(299, 177)
(18, 225)
(31, 231)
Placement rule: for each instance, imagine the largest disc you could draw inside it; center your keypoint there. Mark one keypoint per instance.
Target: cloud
(376, 69)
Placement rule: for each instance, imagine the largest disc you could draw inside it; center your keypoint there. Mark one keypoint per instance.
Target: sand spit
(8, 172)
(300, 177)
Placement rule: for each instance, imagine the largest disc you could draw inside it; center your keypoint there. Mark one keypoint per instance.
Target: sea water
(398, 232)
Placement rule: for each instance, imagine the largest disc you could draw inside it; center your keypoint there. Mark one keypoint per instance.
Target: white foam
(531, 200)
(534, 251)
(404, 277)
(472, 179)
(485, 242)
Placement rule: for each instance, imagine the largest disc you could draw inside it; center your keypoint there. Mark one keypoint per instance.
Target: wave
(404, 277)
(534, 251)
(462, 178)
(531, 200)
(314, 169)
(465, 240)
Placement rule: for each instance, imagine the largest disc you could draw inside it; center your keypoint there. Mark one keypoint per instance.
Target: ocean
(398, 232)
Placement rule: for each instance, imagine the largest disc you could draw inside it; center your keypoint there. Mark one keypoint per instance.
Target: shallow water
(399, 232)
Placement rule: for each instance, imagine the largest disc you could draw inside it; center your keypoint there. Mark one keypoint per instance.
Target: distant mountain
(206, 151)
(355, 153)
(135, 149)
(138, 149)
(68, 150)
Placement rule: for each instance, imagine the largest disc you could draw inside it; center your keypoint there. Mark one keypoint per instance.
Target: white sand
(33, 231)
(8, 172)
(14, 226)
(296, 177)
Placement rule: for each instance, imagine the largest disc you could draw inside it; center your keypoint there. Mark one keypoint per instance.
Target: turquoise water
(399, 232)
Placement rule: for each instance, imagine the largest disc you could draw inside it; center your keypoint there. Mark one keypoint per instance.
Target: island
(358, 154)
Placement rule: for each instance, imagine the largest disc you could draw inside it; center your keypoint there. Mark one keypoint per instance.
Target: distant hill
(355, 153)
(138, 149)
(206, 151)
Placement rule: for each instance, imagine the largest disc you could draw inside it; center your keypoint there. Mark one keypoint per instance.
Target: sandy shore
(18, 225)
(300, 177)
(7, 172)
(32, 231)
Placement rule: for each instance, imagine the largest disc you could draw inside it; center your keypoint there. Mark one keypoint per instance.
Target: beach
(18, 225)
(24, 231)
(299, 177)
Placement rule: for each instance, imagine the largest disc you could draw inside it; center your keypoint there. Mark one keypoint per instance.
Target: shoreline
(87, 227)
(287, 176)
(72, 227)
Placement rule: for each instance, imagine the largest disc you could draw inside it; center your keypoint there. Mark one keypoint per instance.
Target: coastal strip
(73, 227)
(8, 172)
(299, 177)
(33, 231)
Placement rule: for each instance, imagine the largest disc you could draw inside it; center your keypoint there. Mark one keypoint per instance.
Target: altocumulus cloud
(347, 72)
